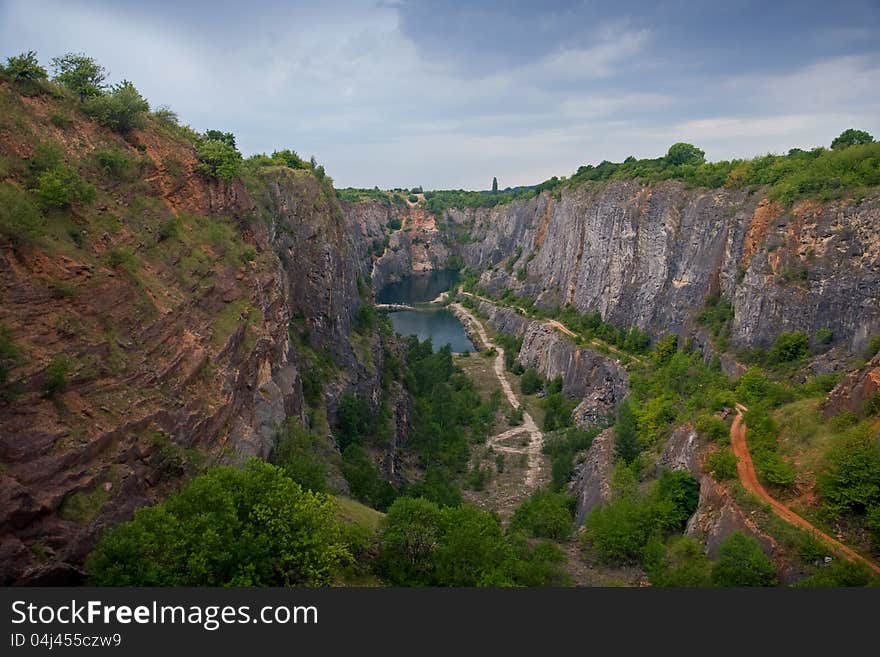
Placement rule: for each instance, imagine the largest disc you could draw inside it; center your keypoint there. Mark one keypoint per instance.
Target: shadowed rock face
(599, 382)
(115, 437)
(649, 256)
(592, 478)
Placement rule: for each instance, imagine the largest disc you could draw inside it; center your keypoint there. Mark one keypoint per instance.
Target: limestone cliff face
(649, 256)
(417, 246)
(597, 381)
(174, 314)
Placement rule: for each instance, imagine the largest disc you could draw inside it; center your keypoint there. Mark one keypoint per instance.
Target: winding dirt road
(745, 468)
(536, 437)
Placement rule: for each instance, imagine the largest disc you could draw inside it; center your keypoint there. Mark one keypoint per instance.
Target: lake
(427, 320)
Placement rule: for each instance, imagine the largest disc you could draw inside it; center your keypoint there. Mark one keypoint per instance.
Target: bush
(680, 562)
(229, 527)
(849, 480)
(61, 187)
(217, 159)
(722, 464)
(437, 486)
(115, 163)
(713, 428)
(531, 382)
(296, 452)
(25, 71)
(789, 347)
(546, 514)
(20, 219)
(557, 411)
(79, 73)
(626, 442)
(742, 562)
(57, 374)
(122, 109)
(366, 481)
(353, 420)
(839, 573)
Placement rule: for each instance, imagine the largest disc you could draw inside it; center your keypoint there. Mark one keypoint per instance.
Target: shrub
(515, 416)
(229, 527)
(60, 120)
(366, 481)
(353, 420)
(61, 187)
(626, 441)
(25, 71)
(47, 155)
(789, 347)
(531, 382)
(217, 159)
(742, 562)
(57, 374)
(722, 464)
(20, 219)
(79, 73)
(115, 162)
(546, 514)
(714, 428)
(437, 486)
(849, 480)
(680, 562)
(122, 109)
(839, 573)
(296, 452)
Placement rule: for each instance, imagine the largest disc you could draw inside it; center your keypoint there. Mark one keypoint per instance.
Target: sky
(446, 94)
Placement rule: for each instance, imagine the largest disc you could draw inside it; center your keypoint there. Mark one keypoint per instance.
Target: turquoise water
(427, 320)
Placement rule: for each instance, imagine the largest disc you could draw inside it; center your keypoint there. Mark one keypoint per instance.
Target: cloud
(445, 94)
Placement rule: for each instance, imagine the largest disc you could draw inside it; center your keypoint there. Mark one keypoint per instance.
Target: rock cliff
(650, 255)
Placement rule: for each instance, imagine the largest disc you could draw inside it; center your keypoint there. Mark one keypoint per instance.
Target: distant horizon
(449, 94)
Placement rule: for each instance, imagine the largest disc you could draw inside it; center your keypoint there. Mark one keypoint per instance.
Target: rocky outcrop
(718, 515)
(417, 246)
(592, 479)
(184, 316)
(650, 255)
(857, 392)
(682, 451)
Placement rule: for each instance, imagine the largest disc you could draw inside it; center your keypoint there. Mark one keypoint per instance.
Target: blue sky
(448, 94)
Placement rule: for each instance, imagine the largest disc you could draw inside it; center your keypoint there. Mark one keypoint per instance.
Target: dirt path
(536, 437)
(749, 478)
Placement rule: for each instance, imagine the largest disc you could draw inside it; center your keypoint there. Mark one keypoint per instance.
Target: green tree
(789, 347)
(851, 137)
(25, 70)
(850, 477)
(410, 534)
(297, 453)
(742, 562)
(473, 551)
(546, 514)
(61, 187)
(122, 109)
(626, 437)
(494, 185)
(228, 527)
(353, 420)
(531, 382)
(217, 157)
(218, 135)
(79, 73)
(683, 153)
